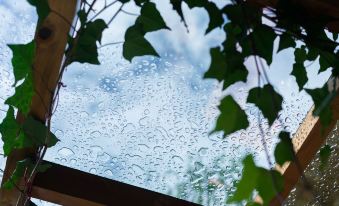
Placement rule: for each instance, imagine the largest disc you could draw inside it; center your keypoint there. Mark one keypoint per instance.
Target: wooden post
(51, 40)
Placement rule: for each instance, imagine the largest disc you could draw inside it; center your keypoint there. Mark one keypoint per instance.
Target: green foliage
(324, 155)
(38, 134)
(22, 61)
(267, 100)
(266, 182)
(31, 134)
(322, 98)
(23, 167)
(22, 98)
(286, 41)
(216, 18)
(228, 69)
(259, 42)
(30, 203)
(135, 42)
(83, 48)
(42, 8)
(232, 117)
(10, 130)
(284, 150)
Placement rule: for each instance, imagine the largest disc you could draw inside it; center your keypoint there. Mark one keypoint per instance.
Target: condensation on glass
(147, 123)
(324, 180)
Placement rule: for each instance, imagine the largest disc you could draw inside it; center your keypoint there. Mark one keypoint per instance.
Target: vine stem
(103, 9)
(116, 14)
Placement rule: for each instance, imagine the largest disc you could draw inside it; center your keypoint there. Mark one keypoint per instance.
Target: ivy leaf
(328, 60)
(286, 41)
(283, 150)
(243, 16)
(232, 117)
(135, 43)
(300, 55)
(150, 18)
(248, 181)
(30, 203)
(322, 98)
(137, 2)
(177, 7)
(42, 8)
(266, 182)
(22, 167)
(324, 155)
(10, 130)
(267, 100)
(215, 15)
(229, 69)
(18, 173)
(82, 14)
(259, 42)
(22, 61)
(85, 44)
(299, 71)
(269, 182)
(22, 97)
(37, 133)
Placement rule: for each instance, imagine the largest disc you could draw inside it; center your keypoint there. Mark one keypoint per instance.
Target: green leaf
(335, 36)
(229, 69)
(30, 203)
(244, 16)
(300, 55)
(283, 150)
(322, 98)
(177, 7)
(22, 61)
(137, 2)
(324, 155)
(22, 167)
(266, 182)
(38, 132)
(259, 42)
(10, 130)
(247, 183)
(82, 14)
(299, 71)
(85, 44)
(18, 173)
(269, 183)
(232, 117)
(215, 15)
(286, 41)
(328, 60)
(267, 100)
(22, 97)
(42, 8)
(150, 18)
(135, 44)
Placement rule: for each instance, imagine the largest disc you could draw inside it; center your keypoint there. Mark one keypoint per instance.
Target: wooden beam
(307, 142)
(69, 187)
(48, 58)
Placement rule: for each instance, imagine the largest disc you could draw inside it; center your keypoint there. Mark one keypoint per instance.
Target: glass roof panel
(147, 123)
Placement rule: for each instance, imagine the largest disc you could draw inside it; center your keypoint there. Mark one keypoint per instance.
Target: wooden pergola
(70, 187)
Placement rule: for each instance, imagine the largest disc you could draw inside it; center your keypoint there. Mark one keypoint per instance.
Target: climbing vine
(251, 30)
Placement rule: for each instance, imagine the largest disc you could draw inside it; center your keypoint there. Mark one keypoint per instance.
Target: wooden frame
(71, 187)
